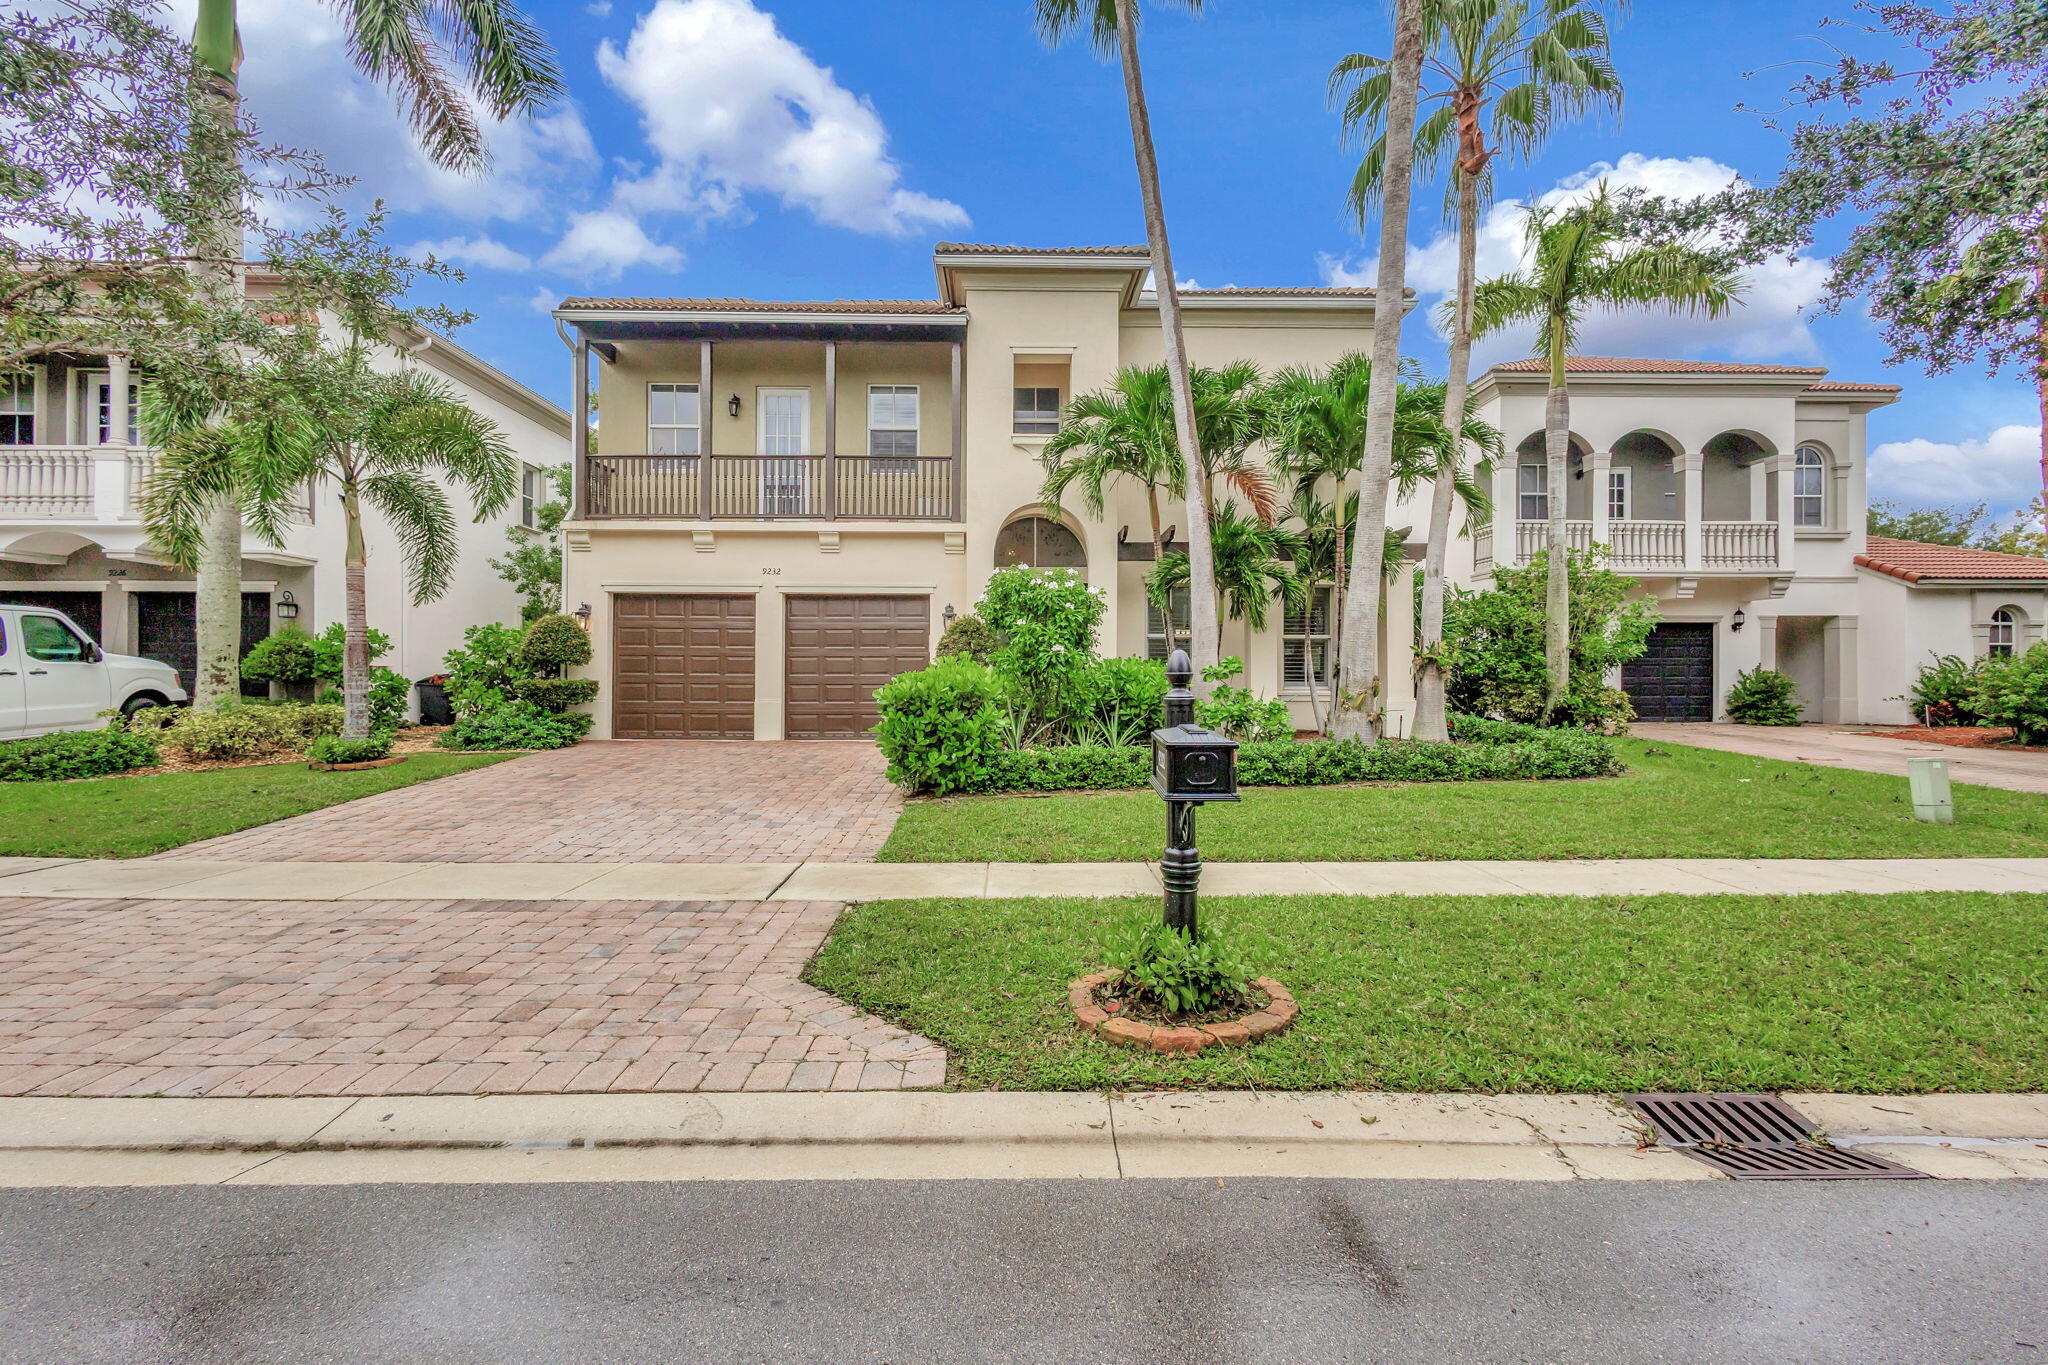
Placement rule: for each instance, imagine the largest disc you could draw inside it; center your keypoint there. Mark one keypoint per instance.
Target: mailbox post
(1190, 765)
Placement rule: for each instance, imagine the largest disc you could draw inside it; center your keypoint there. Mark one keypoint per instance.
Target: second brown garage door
(682, 666)
(840, 650)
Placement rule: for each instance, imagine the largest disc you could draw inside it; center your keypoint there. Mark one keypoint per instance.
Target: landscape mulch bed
(1961, 737)
(413, 739)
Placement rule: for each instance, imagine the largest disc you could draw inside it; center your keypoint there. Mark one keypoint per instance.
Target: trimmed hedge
(70, 754)
(1481, 750)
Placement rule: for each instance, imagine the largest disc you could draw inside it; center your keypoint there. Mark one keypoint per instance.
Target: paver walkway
(1848, 746)
(653, 801)
(141, 997)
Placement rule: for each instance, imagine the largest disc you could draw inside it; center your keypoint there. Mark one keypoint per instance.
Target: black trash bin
(434, 707)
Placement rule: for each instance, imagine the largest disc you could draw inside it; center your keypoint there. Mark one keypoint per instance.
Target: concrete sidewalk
(193, 880)
(982, 1135)
(1853, 746)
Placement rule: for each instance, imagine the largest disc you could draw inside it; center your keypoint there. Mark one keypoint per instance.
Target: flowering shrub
(1234, 711)
(1047, 619)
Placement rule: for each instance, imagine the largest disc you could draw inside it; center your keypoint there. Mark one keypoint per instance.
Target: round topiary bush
(554, 643)
(1763, 696)
(287, 656)
(969, 637)
(555, 694)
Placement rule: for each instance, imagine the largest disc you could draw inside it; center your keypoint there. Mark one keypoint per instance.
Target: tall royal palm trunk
(1557, 427)
(1358, 696)
(1333, 665)
(217, 595)
(2041, 358)
(1204, 623)
(1432, 720)
(355, 638)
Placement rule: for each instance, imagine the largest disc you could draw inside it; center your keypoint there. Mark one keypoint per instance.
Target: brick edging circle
(1278, 1015)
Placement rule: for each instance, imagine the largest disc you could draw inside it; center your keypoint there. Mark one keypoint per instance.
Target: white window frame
(1298, 635)
(1182, 606)
(696, 428)
(1619, 481)
(99, 413)
(1527, 488)
(1033, 421)
(2007, 621)
(784, 476)
(534, 490)
(1810, 509)
(18, 401)
(895, 461)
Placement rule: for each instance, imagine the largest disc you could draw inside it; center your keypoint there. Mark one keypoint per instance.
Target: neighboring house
(72, 467)
(794, 498)
(1942, 599)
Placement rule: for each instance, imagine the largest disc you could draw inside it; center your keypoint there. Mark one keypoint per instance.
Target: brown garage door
(840, 650)
(682, 667)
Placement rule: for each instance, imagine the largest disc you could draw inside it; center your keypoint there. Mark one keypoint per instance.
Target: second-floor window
(674, 423)
(1305, 643)
(1617, 494)
(1038, 412)
(1532, 495)
(534, 493)
(1809, 488)
(17, 410)
(892, 428)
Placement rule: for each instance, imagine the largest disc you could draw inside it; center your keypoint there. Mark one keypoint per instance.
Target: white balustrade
(1638, 545)
(46, 481)
(1647, 544)
(1739, 544)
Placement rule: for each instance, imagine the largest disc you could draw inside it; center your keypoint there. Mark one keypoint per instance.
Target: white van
(53, 677)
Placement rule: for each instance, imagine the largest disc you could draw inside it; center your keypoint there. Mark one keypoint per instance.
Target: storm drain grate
(1757, 1137)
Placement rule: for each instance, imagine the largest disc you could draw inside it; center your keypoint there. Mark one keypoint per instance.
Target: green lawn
(1674, 802)
(1850, 993)
(126, 817)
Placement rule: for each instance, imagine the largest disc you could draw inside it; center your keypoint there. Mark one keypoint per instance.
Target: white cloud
(544, 299)
(483, 252)
(1770, 324)
(601, 9)
(2002, 469)
(607, 242)
(731, 107)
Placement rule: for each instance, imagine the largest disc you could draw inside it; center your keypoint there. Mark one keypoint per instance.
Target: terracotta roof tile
(1845, 386)
(767, 305)
(1606, 364)
(1914, 560)
(994, 249)
(1283, 292)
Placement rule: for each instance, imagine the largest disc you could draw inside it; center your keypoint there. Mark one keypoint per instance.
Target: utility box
(1193, 764)
(1927, 778)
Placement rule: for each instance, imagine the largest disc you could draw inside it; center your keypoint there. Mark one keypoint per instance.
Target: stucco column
(579, 430)
(110, 464)
(1598, 463)
(831, 429)
(1397, 659)
(1840, 703)
(1767, 642)
(1782, 513)
(1692, 490)
(44, 431)
(1505, 509)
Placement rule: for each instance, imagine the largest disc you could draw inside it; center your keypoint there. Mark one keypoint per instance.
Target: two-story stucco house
(72, 467)
(784, 503)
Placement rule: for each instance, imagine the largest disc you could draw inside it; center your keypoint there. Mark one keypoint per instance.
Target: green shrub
(286, 656)
(1119, 701)
(552, 644)
(969, 637)
(1166, 971)
(241, 730)
(70, 754)
(335, 749)
(1493, 643)
(518, 725)
(555, 694)
(329, 644)
(1763, 696)
(1234, 711)
(2014, 691)
(1945, 693)
(483, 668)
(1046, 619)
(942, 727)
(389, 693)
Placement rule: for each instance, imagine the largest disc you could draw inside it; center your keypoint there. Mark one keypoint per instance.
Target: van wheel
(142, 701)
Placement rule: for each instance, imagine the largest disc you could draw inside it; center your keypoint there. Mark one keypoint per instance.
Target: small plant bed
(413, 739)
(1259, 1011)
(1860, 993)
(1995, 737)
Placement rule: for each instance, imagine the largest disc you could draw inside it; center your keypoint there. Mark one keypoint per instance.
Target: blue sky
(815, 149)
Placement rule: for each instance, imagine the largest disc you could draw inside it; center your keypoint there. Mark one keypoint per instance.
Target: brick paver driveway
(657, 801)
(131, 997)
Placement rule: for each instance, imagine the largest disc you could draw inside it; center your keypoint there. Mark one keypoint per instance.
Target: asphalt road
(1167, 1273)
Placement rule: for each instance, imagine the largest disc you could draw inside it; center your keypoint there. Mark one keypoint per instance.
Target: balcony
(1651, 546)
(771, 487)
(102, 483)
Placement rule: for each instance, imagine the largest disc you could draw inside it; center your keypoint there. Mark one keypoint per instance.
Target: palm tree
(1502, 74)
(1113, 26)
(1358, 659)
(501, 68)
(382, 439)
(1581, 257)
(1255, 563)
(1230, 418)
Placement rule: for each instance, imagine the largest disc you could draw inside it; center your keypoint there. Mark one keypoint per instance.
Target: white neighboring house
(70, 474)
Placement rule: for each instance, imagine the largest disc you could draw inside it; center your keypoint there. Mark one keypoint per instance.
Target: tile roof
(1284, 292)
(993, 249)
(1606, 364)
(1914, 560)
(767, 305)
(1845, 386)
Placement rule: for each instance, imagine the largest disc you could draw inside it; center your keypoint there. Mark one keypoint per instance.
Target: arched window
(1039, 543)
(2004, 632)
(1809, 487)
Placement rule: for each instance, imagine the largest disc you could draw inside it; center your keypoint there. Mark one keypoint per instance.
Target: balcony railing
(1641, 546)
(771, 487)
(46, 481)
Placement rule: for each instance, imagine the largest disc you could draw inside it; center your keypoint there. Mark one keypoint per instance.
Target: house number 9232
(771, 571)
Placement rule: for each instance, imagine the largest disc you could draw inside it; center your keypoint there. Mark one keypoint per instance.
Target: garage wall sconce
(948, 614)
(287, 606)
(1735, 621)
(582, 615)
(732, 405)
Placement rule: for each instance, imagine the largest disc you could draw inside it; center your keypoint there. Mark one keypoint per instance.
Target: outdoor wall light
(582, 614)
(287, 607)
(948, 614)
(1735, 621)
(732, 405)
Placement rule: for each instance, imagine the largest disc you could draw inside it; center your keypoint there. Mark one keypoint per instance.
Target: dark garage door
(82, 607)
(682, 667)
(167, 630)
(1674, 678)
(840, 649)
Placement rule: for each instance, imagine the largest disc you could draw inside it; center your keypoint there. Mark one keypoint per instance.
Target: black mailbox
(1193, 764)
